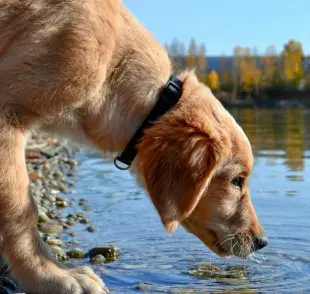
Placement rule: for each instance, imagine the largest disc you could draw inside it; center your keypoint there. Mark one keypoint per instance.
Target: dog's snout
(259, 242)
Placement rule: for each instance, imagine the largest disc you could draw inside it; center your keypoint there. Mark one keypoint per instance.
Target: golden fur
(89, 70)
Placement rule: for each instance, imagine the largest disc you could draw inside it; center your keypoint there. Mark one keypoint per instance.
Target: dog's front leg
(30, 259)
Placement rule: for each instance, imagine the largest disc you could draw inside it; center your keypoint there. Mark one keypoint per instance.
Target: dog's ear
(177, 162)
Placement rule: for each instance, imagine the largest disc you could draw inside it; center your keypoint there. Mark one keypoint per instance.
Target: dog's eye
(238, 182)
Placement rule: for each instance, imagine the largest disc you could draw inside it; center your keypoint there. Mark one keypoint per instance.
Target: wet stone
(53, 214)
(62, 187)
(143, 287)
(98, 259)
(62, 203)
(53, 241)
(70, 222)
(59, 253)
(72, 234)
(83, 201)
(65, 226)
(111, 253)
(91, 229)
(214, 272)
(83, 220)
(71, 215)
(76, 253)
(43, 218)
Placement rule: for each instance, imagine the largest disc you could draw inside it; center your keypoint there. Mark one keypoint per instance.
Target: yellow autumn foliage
(214, 81)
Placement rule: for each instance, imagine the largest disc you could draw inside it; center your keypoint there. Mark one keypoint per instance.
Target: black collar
(168, 97)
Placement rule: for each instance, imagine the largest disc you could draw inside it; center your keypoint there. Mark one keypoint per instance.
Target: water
(280, 192)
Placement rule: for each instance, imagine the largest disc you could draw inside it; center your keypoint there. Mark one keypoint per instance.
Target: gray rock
(98, 259)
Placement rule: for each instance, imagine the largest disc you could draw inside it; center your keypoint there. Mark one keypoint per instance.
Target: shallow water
(280, 192)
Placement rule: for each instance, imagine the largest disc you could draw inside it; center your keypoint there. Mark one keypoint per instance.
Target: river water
(156, 263)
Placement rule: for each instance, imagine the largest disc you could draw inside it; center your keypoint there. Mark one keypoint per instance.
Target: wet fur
(88, 70)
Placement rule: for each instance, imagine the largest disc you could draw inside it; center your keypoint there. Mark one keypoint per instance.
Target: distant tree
(214, 81)
(225, 75)
(177, 54)
(293, 63)
(202, 63)
(250, 74)
(192, 53)
(236, 70)
(174, 49)
(270, 66)
(182, 56)
(258, 74)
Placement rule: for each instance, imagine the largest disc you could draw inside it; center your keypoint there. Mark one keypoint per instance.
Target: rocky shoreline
(52, 167)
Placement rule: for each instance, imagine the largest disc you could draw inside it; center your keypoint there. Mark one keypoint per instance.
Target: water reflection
(278, 134)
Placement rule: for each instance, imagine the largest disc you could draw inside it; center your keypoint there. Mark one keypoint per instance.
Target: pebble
(59, 253)
(98, 259)
(70, 222)
(53, 214)
(65, 226)
(43, 218)
(55, 184)
(76, 253)
(48, 228)
(46, 166)
(91, 229)
(50, 198)
(72, 234)
(62, 203)
(83, 220)
(54, 191)
(71, 215)
(143, 287)
(53, 241)
(62, 187)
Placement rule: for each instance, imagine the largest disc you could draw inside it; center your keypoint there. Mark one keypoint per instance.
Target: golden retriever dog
(88, 70)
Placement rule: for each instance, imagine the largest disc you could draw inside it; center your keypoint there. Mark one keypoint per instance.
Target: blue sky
(223, 24)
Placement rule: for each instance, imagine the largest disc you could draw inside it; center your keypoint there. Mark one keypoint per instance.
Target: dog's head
(195, 163)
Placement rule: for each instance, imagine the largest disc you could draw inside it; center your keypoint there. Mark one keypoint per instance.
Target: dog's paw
(88, 281)
(70, 281)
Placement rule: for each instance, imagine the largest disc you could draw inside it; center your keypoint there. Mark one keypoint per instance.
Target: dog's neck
(138, 70)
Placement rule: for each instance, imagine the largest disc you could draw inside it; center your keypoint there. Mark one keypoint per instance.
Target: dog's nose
(259, 242)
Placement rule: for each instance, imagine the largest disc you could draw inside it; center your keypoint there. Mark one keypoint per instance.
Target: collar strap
(168, 98)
